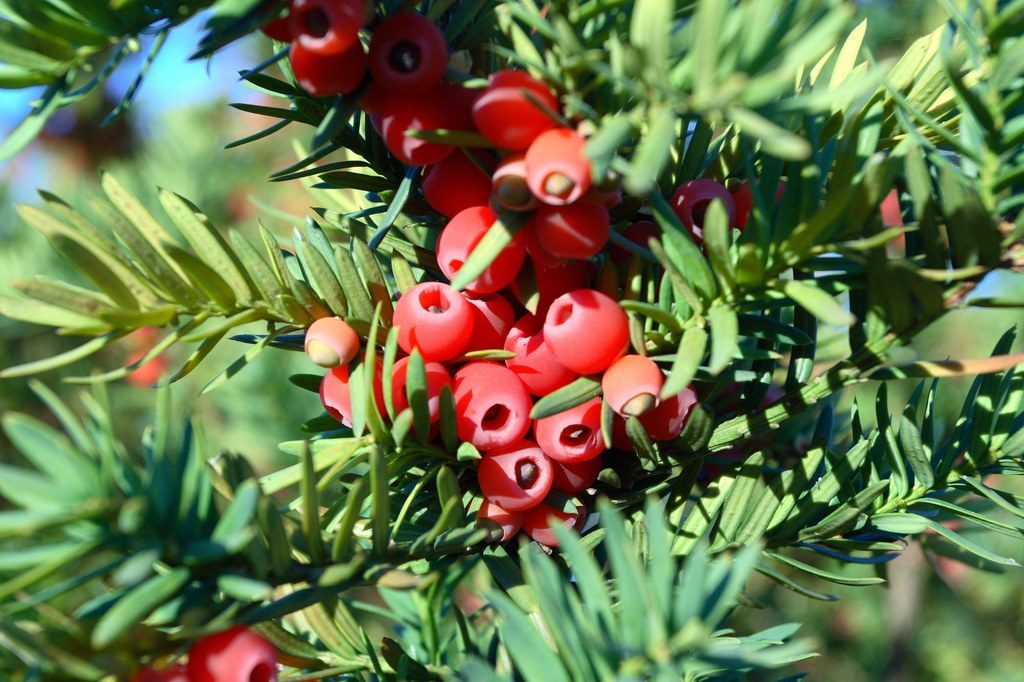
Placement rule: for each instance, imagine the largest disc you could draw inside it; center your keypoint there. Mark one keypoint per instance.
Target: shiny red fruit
(692, 198)
(666, 421)
(336, 392)
(328, 74)
(640, 233)
(577, 231)
(539, 521)
(326, 27)
(437, 379)
(573, 435)
(434, 318)
(534, 363)
(408, 53)
(586, 330)
(557, 170)
(330, 342)
(235, 655)
(491, 404)
(509, 521)
(515, 477)
(548, 282)
(508, 185)
(462, 234)
(431, 110)
(574, 477)
(507, 113)
(631, 385)
(456, 183)
(493, 317)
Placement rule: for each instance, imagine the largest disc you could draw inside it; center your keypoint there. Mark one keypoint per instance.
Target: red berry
(515, 477)
(506, 112)
(455, 183)
(328, 74)
(460, 237)
(174, 673)
(534, 363)
(437, 379)
(744, 199)
(666, 421)
(509, 521)
(586, 330)
(508, 185)
(492, 319)
(408, 53)
(573, 435)
(330, 342)
(278, 28)
(235, 655)
(557, 170)
(631, 385)
(691, 199)
(336, 393)
(574, 477)
(890, 209)
(434, 318)
(491, 404)
(551, 281)
(430, 110)
(578, 231)
(326, 27)
(538, 521)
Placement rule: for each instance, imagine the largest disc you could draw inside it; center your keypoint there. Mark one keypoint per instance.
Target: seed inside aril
(495, 417)
(317, 22)
(405, 57)
(558, 185)
(575, 435)
(513, 191)
(526, 473)
(639, 404)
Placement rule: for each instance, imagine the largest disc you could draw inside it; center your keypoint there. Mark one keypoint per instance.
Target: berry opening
(562, 314)
(433, 302)
(455, 264)
(264, 672)
(513, 191)
(316, 22)
(405, 57)
(495, 418)
(698, 212)
(526, 474)
(575, 436)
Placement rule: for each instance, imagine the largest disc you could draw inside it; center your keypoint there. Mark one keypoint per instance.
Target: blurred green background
(935, 620)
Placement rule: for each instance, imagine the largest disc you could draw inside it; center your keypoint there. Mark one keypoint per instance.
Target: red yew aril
(573, 435)
(174, 673)
(508, 185)
(408, 53)
(278, 28)
(631, 385)
(431, 110)
(666, 421)
(332, 74)
(326, 27)
(743, 197)
(574, 477)
(509, 521)
(434, 318)
(578, 231)
(507, 113)
(586, 330)
(515, 477)
(557, 170)
(692, 198)
(460, 237)
(235, 655)
(437, 378)
(492, 405)
(539, 521)
(455, 183)
(336, 393)
(534, 362)
(330, 342)
(549, 281)
(493, 317)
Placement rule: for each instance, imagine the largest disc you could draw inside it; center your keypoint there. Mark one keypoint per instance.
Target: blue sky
(162, 89)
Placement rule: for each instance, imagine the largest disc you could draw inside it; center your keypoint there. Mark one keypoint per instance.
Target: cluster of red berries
(235, 655)
(530, 469)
